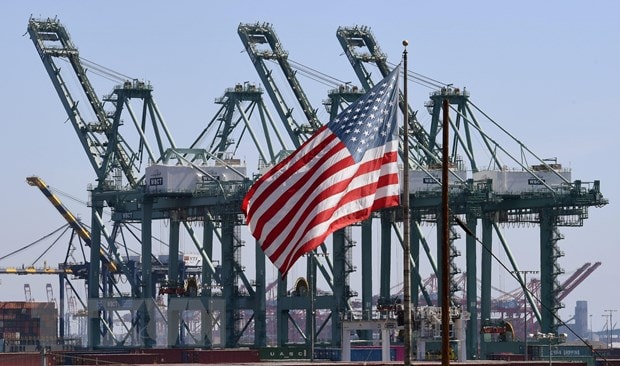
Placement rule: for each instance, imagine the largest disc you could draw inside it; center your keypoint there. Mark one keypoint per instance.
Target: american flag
(346, 170)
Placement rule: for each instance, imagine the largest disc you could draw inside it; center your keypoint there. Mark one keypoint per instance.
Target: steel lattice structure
(229, 301)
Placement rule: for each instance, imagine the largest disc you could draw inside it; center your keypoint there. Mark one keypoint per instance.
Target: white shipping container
(419, 180)
(516, 182)
(171, 178)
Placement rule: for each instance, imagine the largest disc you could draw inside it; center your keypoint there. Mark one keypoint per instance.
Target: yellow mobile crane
(70, 218)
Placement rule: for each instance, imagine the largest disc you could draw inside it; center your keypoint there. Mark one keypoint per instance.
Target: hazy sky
(546, 71)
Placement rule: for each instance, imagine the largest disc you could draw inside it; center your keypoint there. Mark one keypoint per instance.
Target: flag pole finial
(406, 222)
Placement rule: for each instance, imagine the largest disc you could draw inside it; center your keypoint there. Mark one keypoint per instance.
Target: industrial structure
(27, 325)
(142, 176)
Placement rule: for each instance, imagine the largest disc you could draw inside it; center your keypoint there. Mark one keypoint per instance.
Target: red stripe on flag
(276, 169)
(317, 201)
(284, 197)
(325, 215)
(345, 221)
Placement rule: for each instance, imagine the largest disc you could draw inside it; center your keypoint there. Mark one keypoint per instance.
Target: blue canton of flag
(367, 124)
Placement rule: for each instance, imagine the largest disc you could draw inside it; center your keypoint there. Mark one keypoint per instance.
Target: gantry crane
(110, 153)
(361, 48)
(28, 293)
(263, 45)
(49, 290)
(539, 192)
(119, 164)
(112, 266)
(136, 196)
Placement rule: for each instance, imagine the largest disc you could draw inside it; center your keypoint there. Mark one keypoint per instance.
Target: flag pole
(406, 223)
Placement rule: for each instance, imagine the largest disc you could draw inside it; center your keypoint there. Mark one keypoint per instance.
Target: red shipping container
(25, 359)
(226, 356)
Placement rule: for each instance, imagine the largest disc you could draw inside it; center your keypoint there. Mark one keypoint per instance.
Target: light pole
(610, 326)
(525, 293)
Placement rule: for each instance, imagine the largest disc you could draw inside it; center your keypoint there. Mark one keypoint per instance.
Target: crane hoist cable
(102, 70)
(318, 74)
(332, 81)
(68, 227)
(129, 225)
(63, 227)
(310, 75)
(70, 218)
(110, 77)
(67, 195)
(422, 79)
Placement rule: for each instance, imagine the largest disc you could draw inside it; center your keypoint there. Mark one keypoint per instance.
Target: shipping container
(518, 182)
(225, 356)
(21, 359)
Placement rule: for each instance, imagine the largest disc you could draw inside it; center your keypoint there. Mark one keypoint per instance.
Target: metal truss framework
(215, 204)
(566, 205)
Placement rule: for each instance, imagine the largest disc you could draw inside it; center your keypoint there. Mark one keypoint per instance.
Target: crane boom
(36, 270)
(112, 155)
(52, 41)
(69, 217)
(352, 39)
(255, 35)
(568, 287)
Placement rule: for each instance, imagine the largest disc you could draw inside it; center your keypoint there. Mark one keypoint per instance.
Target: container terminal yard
(121, 302)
